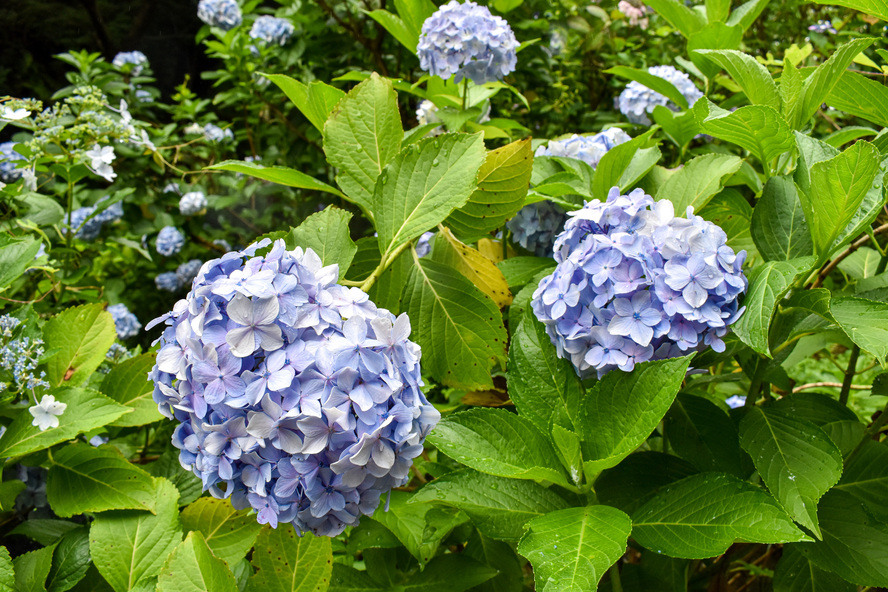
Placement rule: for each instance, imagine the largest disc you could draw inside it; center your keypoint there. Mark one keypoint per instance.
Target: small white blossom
(46, 413)
(9, 115)
(100, 155)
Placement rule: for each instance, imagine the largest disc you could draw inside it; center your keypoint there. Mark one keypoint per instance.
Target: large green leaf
(702, 515)
(680, 127)
(167, 466)
(423, 185)
(476, 268)
(730, 211)
(865, 322)
(276, 174)
(795, 458)
(315, 100)
(795, 573)
(702, 434)
(698, 181)
(83, 478)
(878, 8)
(228, 532)
(128, 546)
(126, 384)
(857, 95)
(757, 128)
(86, 410)
(653, 82)
(500, 556)
(459, 328)
(498, 442)
(678, 15)
(637, 479)
(767, 287)
(778, 226)
(518, 271)
(7, 572)
(31, 569)
(866, 478)
(753, 78)
(70, 561)
(499, 507)
(571, 549)
(396, 27)
(624, 164)
(712, 36)
(285, 562)
(192, 567)
(502, 185)
(745, 14)
(327, 234)
(362, 135)
(16, 255)
(82, 335)
(623, 408)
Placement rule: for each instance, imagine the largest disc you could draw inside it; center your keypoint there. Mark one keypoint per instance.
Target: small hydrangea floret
(635, 283)
(296, 396)
(637, 101)
(225, 14)
(272, 30)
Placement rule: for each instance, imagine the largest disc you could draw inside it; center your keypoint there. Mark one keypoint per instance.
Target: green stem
(616, 583)
(465, 97)
(849, 375)
(386, 260)
(755, 385)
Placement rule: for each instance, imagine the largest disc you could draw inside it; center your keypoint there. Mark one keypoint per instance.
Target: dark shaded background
(32, 31)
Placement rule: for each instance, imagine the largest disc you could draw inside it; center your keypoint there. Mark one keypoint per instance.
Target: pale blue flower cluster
(423, 244)
(823, 27)
(9, 173)
(637, 101)
(20, 357)
(88, 229)
(168, 281)
(468, 41)
(735, 401)
(589, 149)
(635, 283)
(125, 322)
(188, 271)
(192, 203)
(170, 241)
(214, 133)
(297, 396)
(272, 30)
(535, 225)
(225, 14)
(136, 60)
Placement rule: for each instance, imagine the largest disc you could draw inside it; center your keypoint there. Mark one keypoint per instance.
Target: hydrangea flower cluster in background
(168, 281)
(272, 30)
(170, 241)
(635, 283)
(823, 27)
(535, 225)
(20, 357)
(225, 14)
(9, 173)
(192, 203)
(634, 14)
(589, 149)
(88, 229)
(297, 396)
(468, 41)
(125, 322)
(186, 272)
(214, 133)
(137, 59)
(637, 101)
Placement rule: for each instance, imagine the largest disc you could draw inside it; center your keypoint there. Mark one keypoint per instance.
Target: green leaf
(795, 573)
(7, 574)
(745, 14)
(192, 567)
(82, 335)
(83, 478)
(795, 458)
(854, 545)
(680, 127)
(753, 78)
(327, 234)
(865, 322)
(817, 408)
(275, 174)
(767, 287)
(682, 18)
(500, 556)
(571, 549)
(619, 413)
(86, 410)
(459, 328)
(287, 563)
(568, 446)
(717, 10)
(167, 466)
(866, 478)
(698, 181)
(713, 36)
(499, 507)
(31, 569)
(503, 180)
(127, 384)
(639, 478)
(45, 531)
(9, 490)
(811, 151)
(544, 387)
(474, 266)
(778, 227)
(386, 292)
(702, 515)
(414, 13)
(451, 572)
(624, 165)
(316, 100)
(849, 134)
(229, 533)
(426, 182)
(70, 561)
(857, 95)
(498, 442)
(16, 255)
(128, 547)
(655, 83)
(759, 129)
(861, 264)
(730, 210)
(396, 27)
(520, 270)
(702, 434)
(362, 135)
(876, 8)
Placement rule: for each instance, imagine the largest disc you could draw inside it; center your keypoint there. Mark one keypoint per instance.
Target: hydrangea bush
(637, 101)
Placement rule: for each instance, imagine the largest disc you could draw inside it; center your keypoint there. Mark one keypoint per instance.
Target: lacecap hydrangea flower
(192, 203)
(225, 14)
(9, 171)
(466, 40)
(634, 283)
(637, 101)
(167, 281)
(296, 396)
(170, 241)
(137, 59)
(125, 322)
(272, 30)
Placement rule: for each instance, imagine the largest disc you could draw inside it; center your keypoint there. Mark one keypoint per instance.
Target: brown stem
(811, 385)
(844, 255)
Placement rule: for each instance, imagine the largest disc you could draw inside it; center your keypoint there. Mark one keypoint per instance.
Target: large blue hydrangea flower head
(170, 241)
(8, 171)
(637, 101)
(535, 226)
(296, 396)
(125, 322)
(272, 30)
(466, 40)
(225, 14)
(635, 283)
(135, 60)
(192, 203)
(589, 149)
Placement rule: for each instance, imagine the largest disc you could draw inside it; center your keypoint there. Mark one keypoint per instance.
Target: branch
(845, 254)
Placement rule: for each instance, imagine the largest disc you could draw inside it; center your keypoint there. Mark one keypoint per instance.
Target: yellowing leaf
(477, 268)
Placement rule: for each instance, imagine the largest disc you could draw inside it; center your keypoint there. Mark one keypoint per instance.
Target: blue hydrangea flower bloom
(8, 171)
(535, 225)
(468, 41)
(188, 271)
(167, 281)
(126, 323)
(225, 14)
(111, 214)
(136, 59)
(295, 396)
(86, 230)
(735, 401)
(423, 244)
(214, 133)
(637, 101)
(170, 241)
(634, 283)
(823, 27)
(192, 203)
(589, 149)
(272, 30)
